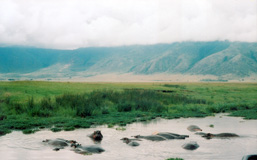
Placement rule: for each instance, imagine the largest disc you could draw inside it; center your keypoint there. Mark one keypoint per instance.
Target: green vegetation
(29, 131)
(211, 125)
(30, 106)
(120, 129)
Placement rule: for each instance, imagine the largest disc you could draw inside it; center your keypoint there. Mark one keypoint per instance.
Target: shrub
(4, 131)
(29, 131)
(18, 108)
(84, 111)
(7, 100)
(31, 103)
(46, 104)
(69, 128)
(37, 111)
(124, 107)
(56, 129)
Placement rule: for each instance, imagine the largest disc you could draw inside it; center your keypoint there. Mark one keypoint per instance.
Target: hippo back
(250, 157)
(190, 146)
(133, 143)
(154, 138)
(227, 135)
(93, 149)
(194, 128)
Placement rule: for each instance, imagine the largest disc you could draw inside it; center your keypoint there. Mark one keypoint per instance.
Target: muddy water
(17, 146)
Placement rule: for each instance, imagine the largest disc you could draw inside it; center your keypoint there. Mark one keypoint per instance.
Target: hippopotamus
(96, 136)
(59, 143)
(152, 137)
(169, 135)
(200, 133)
(56, 142)
(194, 128)
(87, 149)
(190, 146)
(220, 135)
(67, 141)
(130, 142)
(250, 157)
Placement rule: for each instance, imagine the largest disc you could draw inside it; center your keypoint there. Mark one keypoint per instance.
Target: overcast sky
(69, 24)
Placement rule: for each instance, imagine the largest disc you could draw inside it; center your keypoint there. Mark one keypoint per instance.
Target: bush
(37, 111)
(46, 104)
(4, 131)
(101, 102)
(56, 129)
(29, 131)
(84, 111)
(69, 128)
(124, 107)
(7, 100)
(31, 103)
(18, 108)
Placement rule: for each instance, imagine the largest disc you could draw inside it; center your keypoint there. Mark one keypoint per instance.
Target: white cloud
(82, 23)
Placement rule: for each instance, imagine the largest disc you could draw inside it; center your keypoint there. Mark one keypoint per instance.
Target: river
(18, 146)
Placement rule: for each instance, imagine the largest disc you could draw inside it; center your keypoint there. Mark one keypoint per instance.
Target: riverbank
(30, 106)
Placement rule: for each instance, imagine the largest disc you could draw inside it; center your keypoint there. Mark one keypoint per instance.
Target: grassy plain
(31, 105)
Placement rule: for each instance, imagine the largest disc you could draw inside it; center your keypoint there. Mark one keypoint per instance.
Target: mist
(66, 24)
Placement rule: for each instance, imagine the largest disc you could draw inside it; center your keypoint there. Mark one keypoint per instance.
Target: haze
(66, 24)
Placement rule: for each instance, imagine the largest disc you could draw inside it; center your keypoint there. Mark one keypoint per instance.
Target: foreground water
(17, 146)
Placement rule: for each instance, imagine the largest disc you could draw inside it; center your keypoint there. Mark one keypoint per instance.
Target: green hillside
(196, 58)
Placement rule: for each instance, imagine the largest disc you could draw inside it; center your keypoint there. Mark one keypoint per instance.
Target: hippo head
(56, 149)
(137, 136)
(71, 141)
(208, 136)
(47, 140)
(125, 140)
(75, 145)
(97, 135)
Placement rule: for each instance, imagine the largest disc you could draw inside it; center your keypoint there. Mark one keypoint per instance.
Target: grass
(30, 131)
(29, 105)
(211, 125)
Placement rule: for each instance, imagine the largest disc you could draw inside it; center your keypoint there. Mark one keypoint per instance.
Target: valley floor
(32, 105)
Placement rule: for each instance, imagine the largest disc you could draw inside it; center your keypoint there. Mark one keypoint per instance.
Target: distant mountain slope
(198, 58)
(181, 57)
(25, 60)
(239, 59)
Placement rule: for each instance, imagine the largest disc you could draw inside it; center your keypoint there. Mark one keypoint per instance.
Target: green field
(30, 105)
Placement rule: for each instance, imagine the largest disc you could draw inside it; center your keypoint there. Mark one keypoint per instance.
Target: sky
(71, 24)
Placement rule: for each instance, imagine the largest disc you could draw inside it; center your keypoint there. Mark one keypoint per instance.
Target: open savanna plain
(34, 105)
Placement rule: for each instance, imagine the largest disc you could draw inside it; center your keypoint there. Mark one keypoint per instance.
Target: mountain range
(218, 58)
